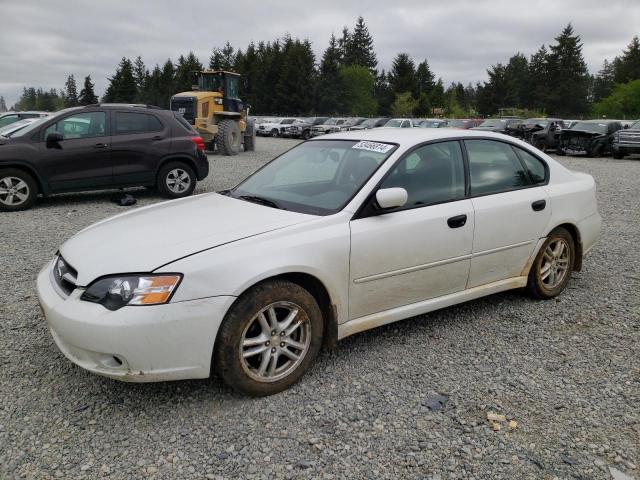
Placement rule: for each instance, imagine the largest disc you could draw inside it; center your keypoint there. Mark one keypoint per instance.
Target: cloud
(41, 42)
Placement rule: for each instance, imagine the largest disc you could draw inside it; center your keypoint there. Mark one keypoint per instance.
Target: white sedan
(336, 236)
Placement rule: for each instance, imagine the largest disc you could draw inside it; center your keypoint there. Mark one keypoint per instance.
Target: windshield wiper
(261, 201)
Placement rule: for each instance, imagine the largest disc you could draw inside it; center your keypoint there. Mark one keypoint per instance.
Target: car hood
(147, 238)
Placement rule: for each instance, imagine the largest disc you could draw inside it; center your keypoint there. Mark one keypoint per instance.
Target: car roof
(409, 136)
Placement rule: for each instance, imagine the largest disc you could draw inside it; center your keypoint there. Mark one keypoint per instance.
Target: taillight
(199, 143)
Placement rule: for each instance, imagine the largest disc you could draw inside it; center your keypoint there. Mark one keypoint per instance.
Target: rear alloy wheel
(269, 338)
(18, 190)
(176, 180)
(552, 267)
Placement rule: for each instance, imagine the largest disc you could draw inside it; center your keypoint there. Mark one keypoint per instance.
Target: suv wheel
(176, 180)
(306, 135)
(18, 190)
(269, 338)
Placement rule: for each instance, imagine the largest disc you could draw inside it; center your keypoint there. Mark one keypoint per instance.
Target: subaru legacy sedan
(338, 235)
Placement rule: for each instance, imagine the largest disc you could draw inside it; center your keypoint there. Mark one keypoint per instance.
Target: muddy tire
(268, 339)
(229, 138)
(176, 180)
(18, 190)
(618, 155)
(306, 134)
(551, 270)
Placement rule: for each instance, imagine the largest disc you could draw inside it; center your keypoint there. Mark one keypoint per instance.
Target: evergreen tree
(166, 86)
(384, 94)
(603, 82)
(425, 84)
(122, 86)
(329, 92)
(71, 93)
(402, 76)
(87, 94)
(153, 94)
(222, 59)
(539, 79)
(568, 76)
(627, 67)
(184, 72)
(517, 82)
(343, 44)
(358, 49)
(296, 77)
(3, 104)
(140, 75)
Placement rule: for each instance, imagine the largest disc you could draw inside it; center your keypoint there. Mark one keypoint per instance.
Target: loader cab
(223, 82)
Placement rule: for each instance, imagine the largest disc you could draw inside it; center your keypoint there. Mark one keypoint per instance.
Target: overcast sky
(41, 42)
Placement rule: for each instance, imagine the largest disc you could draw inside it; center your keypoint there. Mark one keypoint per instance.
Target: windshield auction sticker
(373, 146)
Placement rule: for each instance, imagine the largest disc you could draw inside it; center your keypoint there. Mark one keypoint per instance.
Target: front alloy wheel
(275, 342)
(18, 190)
(269, 338)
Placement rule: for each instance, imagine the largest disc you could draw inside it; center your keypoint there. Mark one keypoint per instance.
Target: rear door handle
(457, 221)
(158, 137)
(100, 145)
(538, 205)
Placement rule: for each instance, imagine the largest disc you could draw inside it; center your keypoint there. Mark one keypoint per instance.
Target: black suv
(99, 147)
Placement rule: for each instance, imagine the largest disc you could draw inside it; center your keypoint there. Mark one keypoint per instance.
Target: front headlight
(116, 291)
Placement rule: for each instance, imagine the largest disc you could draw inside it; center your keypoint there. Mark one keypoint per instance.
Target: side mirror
(391, 197)
(54, 138)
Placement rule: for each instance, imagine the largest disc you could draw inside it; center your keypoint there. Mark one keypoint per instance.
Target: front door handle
(457, 221)
(538, 205)
(100, 145)
(157, 137)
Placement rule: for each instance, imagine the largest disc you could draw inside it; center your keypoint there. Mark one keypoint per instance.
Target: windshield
(590, 127)
(457, 123)
(393, 123)
(493, 122)
(287, 121)
(318, 177)
(211, 83)
(369, 123)
(331, 121)
(14, 126)
(433, 124)
(536, 121)
(636, 126)
(35, 125)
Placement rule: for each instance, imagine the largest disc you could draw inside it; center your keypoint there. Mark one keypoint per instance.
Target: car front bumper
(135, 343)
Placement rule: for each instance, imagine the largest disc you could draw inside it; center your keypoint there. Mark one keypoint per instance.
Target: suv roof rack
(134, 105)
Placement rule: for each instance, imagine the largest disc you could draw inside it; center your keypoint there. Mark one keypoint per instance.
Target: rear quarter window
(535, 167)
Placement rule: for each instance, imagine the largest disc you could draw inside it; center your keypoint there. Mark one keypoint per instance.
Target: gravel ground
(566, 371)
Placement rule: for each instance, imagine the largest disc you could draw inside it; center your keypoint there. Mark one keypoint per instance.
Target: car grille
(64, 275)
(186, 106)
(629, 137)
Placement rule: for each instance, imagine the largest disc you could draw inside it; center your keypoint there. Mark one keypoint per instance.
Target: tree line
(284, 77)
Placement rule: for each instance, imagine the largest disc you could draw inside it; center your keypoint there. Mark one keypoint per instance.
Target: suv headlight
(116, 291)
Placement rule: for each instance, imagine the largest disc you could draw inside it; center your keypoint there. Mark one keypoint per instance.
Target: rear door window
(535, 166)
(127, 123)
(494, 167)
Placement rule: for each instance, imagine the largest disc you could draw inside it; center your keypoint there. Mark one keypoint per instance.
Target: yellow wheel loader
(216, 112)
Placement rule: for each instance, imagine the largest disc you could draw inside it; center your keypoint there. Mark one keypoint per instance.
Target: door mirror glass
(391, 197)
